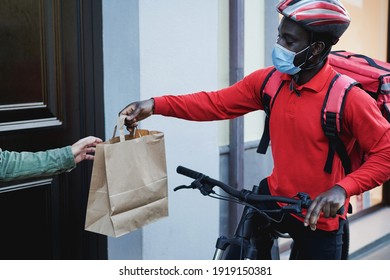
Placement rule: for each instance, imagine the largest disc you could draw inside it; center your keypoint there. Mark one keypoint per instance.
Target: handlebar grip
(188, 172)
(339, 212)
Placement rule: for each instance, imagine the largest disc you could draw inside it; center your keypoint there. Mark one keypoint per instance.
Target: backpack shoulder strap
(331, 118)
(268, 91)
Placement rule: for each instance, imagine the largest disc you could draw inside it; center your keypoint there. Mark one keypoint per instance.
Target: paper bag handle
(120, 122)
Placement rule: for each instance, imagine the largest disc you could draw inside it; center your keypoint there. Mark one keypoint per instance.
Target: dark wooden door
(51, 95)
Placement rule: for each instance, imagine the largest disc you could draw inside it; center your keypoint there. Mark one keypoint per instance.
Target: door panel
(28, 65)
(50, 96)
(26, 225)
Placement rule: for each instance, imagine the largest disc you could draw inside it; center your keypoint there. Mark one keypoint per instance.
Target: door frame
(91, 48)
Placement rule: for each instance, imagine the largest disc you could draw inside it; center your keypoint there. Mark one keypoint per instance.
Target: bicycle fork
(240, 245)
(244, 244)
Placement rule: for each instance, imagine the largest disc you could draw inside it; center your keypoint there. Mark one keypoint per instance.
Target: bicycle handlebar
(244, 195)
(302, 201)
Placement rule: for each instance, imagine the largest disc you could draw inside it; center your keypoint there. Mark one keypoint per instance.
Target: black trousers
(308, 244)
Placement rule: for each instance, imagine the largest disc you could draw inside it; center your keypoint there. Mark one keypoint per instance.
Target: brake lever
(205, 189)
(182, 187)
(292, 209)
(194, 185)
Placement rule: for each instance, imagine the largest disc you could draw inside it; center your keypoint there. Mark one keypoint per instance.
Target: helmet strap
(321, 60)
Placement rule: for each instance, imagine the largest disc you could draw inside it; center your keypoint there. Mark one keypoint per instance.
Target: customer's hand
(84, 149)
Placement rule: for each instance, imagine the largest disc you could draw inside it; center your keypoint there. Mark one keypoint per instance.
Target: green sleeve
(23, 165)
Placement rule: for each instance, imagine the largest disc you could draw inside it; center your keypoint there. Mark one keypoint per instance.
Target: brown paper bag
(129, 183)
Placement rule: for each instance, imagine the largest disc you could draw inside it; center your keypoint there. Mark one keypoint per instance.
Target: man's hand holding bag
(129, 183)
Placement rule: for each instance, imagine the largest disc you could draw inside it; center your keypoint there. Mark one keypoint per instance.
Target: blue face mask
(283, 59)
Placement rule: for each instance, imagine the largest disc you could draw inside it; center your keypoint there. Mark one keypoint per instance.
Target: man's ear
(318, 48)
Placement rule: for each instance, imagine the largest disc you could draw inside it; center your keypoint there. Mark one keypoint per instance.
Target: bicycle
(245, 243)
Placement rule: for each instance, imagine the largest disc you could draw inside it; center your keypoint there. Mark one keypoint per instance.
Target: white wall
(121, 86)
(177, 49)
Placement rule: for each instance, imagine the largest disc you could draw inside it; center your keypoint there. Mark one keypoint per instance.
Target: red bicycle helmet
(320, 16)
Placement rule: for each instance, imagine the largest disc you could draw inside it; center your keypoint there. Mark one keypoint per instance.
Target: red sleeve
(227, 103)
(365, 122)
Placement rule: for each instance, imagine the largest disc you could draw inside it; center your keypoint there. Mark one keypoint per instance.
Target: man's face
(294, 38)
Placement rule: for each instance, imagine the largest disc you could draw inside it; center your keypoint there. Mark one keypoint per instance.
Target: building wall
(367, 33)
(151, 48)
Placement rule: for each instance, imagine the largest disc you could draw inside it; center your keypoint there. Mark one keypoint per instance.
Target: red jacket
(299, 145)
